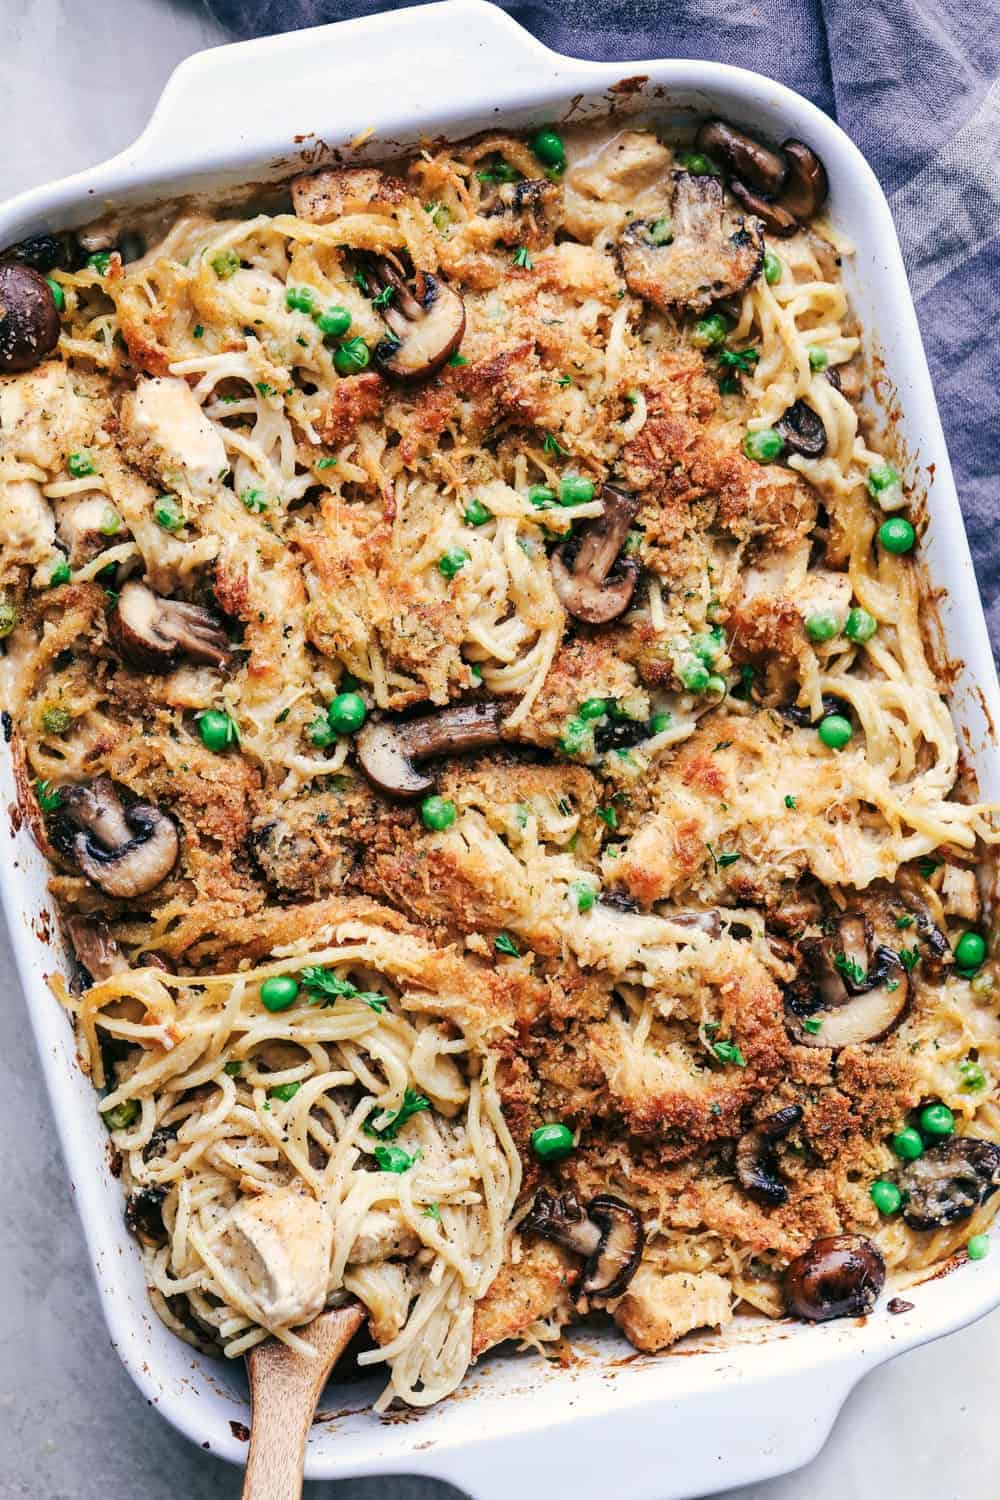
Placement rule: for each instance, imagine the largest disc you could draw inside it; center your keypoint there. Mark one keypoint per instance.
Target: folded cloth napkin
(914, 83)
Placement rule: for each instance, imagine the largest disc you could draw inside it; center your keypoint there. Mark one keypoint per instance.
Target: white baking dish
(761, 1401)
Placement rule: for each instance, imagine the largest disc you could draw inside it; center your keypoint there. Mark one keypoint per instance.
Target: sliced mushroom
(609, 1235)
(97, 953)
(840, 1276)
(388, 749)
(851, 993)
(524, 213)
(144, 1215)
(783, 188)
(709, 255)
(802, 430)
(29, 322)
(949, 1181)
(744, 157)
(45, 252)
(756, 1163)
(806, 186)
(620, 734)
(708, 920)
(802, 717)
(124, 850)
(592, 581)
(152, 632)
(426, 318)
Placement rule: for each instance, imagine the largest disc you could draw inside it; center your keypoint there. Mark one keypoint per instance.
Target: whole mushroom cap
(29, 322)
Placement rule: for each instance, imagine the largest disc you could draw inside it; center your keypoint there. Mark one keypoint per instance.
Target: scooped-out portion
(464, 656)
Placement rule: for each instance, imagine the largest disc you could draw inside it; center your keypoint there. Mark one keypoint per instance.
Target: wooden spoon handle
(284, 1390)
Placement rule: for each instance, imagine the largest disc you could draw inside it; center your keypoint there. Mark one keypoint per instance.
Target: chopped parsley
(739, 359)
(909, 958)
(850, 968)
(198, 331)
(48, 800)
(264, 388)
(384, 297)
(253, 500)
(609, 816)
(458, 359)
(323, 987)
(927, 867)
(790, 801)
(413, 1103)
(722, 861)
(325, 463)
(432, 1212)
(729, 1052)
(504, 943)
(395, 1159)
(903, 922)
(552, 446)
(812, 1024)
(498, 170)
(564, 380)
(522, 259)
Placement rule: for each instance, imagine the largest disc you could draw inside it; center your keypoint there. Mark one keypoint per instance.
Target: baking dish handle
(287, 82)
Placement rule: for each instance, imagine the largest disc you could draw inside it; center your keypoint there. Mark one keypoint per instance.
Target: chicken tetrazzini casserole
(464, 664)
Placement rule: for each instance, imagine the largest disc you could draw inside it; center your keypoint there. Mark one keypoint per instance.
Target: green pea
(167, 513)
(437, 813)
(593, 708)
(111, 522)
(695, 676)
(978, 1247)
(710, 331)
(576, 737)
(284, 1091)
(279, 992)
(121, 1116)
(822, 626)
(352, 357)
(477, 514)
(697, 164)
(333, 322)
(886, 1197)
(319, 732)
(660, 722)
(885, 486)
(974, 1080)
(574, 490)
(80, 464)
(773, 269)
(970, 951)
(708, 644)
(660, 232)
(907, 1144)
(584, 895)
(8, 618)
(552, 1142)
(716, 685)
(937, 1120)
(347, 713)
(818, 358)
(217, 729)
(225, 264)
(299, 298)
(549, 149)
(763, 446)
(60, 574)
(541, 496)
(861, 626)
(835, 731)
(58, 295)
(897, 535)
(452, 561)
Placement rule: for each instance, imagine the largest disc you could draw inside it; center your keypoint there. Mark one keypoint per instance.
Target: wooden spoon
(284, 1390)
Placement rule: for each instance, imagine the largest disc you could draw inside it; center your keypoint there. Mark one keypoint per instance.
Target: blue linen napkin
(914, 83)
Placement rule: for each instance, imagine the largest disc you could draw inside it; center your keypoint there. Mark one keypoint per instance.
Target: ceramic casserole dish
(761, 1400)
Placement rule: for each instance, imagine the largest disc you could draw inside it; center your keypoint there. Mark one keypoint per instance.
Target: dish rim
(174, 148)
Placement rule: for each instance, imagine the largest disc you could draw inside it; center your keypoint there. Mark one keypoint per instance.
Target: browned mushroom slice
(708, 255)
(524, 213)
(609, 1236)
(152, 632)
(802, 430)
(776, 219)
(29, 322)
(426, 318)
(756, 1165)
(865, 1017)
(389, 749)
(743, 157)
(840, 1276)
(949, 1181)
(96, 950)
(144, 1215)
(806, 186)
(124, 850)
(593, 583)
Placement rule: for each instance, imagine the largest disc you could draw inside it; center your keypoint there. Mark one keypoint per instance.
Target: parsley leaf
(413, 1103)
(909, 958)
(48, 801)
(850, 968)
(522, 259)
(326, 988)
(384, 297)
(739, 359)
(506, 944)
(553, 447)
(729, 1052)
(790, 800)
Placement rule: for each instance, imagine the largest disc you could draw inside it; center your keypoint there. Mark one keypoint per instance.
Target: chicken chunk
(381, 1237)
(278, 1248)
(521, 1294)
(659, 1309)
(170, 436)
(322, 196)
